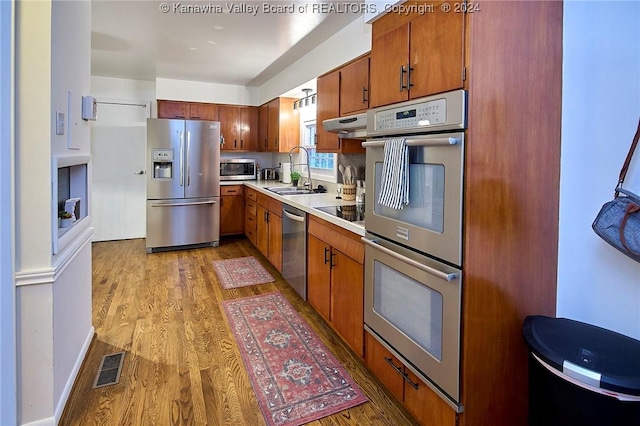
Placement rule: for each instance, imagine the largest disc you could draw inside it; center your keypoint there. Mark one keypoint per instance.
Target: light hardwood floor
(182, 365)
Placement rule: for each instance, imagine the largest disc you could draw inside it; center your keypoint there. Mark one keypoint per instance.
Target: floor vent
(109, 371)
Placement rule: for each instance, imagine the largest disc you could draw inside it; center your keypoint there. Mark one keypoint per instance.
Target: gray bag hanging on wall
(618, 221)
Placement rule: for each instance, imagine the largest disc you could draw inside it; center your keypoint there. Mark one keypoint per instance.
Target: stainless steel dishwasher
(294, 248)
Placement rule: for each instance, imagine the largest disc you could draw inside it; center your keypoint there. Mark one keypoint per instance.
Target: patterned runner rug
(241, 272)
(295, 377)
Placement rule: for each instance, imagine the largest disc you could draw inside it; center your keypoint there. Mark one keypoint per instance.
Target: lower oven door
(412, 304)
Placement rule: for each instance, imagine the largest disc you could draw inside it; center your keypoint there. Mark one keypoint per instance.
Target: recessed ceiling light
(217, 27)
(211, 42)
(193, 48)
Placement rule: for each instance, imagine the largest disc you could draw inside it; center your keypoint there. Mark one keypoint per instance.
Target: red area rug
(241, 272)
(295, 377)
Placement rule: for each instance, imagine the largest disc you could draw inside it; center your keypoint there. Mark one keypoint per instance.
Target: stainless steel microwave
(238, 169)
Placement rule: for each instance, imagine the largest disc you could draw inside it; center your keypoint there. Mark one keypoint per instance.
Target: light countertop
(306, 202)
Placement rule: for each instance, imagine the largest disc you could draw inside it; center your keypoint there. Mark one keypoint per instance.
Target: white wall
(601, 107)
(196, 91)
(122, 89)
(350, 42)
(53, 293)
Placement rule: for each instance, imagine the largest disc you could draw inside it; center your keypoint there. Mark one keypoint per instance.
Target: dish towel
(394, 191)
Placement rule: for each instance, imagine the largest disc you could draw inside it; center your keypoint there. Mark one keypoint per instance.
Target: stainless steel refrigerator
(183, 185)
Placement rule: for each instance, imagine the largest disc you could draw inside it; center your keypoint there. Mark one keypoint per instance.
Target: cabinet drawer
(271, 204)
(250, 222)
(377, 359)
(342, 240)
(251, 194)
(231, 190)
(250, 207)
(250, 228)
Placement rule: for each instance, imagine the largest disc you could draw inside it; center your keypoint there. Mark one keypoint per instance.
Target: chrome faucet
(308, 163)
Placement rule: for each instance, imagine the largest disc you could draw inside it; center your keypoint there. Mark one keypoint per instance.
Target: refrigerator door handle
(188, 157)
(196, 203)
(181, 158)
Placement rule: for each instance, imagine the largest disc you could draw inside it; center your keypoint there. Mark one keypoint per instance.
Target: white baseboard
(44, 422)
(72, 377)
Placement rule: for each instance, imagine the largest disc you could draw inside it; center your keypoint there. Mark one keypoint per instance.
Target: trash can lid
(613, 356)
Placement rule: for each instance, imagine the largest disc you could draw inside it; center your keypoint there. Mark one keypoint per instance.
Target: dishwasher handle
(293, 216)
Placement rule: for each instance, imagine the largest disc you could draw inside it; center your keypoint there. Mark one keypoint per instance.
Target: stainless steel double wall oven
(413, 255)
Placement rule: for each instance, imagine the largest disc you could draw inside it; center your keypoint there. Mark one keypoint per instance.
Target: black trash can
(580, 374)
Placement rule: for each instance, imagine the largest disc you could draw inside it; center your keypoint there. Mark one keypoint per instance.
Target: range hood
(349, 127)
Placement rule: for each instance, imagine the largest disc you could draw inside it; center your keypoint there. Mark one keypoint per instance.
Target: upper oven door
(432, 221)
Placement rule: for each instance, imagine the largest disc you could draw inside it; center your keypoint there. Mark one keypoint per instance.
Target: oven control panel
(420, 115)
(439, 112)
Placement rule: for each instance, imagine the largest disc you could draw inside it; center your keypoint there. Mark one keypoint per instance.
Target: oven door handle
(417, 142)
(425, 268)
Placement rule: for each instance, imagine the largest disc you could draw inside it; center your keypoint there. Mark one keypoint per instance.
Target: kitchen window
(323, 165)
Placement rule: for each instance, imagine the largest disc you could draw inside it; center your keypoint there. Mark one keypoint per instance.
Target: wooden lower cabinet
(250, 211)
(231, 209)
(423, 403)
(269, 229)
(335, 280)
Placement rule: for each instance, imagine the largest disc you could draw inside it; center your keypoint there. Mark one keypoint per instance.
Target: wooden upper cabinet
(172, 109)
(331, 92)
(229, 122)
(283, 125)
(263, 126)
(203, 111)
(238, 126)
(413, 59)
(328, 106)
(354, 87)
(249, 127)
(187, 110)
(273, 125)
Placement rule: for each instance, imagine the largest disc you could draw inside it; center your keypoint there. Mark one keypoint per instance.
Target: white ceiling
(137, 40)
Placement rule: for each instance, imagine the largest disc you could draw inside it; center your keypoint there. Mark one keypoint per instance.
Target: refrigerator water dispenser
(162, 163)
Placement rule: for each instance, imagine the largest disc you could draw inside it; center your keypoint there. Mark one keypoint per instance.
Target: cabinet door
(354, 87)
(203, 111)
(377, 359)
(347, 309)
(172, 109)
(262, 230)
(275, 240)
(389, 56)
(319, 276)
(229, 127)
(436, 53)
(231, 210)
(274, 124)
(263, 126)
(249, 128)
(426, 405)
(328, 92)
(288, 125)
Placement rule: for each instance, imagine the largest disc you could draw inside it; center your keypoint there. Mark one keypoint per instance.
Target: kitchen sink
(289, 190)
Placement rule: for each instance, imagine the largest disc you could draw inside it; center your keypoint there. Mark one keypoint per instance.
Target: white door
(118, 149)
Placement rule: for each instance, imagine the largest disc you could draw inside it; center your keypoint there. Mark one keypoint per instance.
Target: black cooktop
(353, 213)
